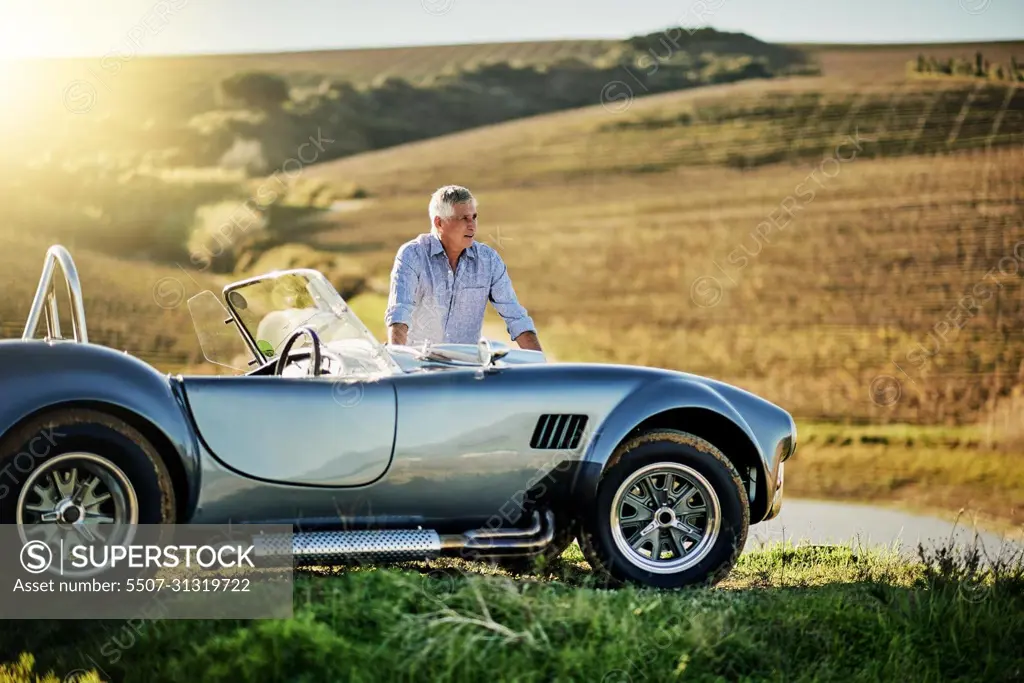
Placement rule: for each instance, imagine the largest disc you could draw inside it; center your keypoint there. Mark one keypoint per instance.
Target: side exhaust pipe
(404, 545)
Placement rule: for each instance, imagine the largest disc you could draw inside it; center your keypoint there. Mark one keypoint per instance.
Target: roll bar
(45, 300)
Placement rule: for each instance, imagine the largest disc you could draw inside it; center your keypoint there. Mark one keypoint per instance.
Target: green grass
(793, 614)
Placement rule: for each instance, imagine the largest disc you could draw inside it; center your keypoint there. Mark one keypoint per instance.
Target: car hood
(459, 356)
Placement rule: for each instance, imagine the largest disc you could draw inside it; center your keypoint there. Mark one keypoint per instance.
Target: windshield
(269, 308)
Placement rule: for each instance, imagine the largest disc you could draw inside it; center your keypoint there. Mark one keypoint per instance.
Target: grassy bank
(810, 614)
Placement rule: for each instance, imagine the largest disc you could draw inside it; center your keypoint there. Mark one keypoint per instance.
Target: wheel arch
(725, 435)
(184, 491)
(684, 405)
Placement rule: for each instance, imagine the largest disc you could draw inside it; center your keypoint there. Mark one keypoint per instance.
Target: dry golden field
(614, 220)
(798, 238)
(137, 307)
(946, 471)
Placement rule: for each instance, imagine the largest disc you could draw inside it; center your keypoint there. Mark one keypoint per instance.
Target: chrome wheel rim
(665, 518)
(77, 499)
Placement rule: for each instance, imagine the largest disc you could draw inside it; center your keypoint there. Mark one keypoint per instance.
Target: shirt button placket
(451, 296)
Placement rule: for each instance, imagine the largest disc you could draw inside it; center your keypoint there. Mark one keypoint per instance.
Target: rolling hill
(190, 111)
(659, 235)
(621, 222)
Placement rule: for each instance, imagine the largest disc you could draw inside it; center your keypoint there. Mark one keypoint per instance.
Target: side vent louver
(558, 431)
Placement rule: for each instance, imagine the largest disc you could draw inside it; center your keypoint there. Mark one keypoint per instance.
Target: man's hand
(529, 341)
(398, 334)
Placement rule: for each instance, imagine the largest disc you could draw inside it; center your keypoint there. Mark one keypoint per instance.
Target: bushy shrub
(347, 275)
(225, 230)
(256, 89)
(246, 155)
(123, 211)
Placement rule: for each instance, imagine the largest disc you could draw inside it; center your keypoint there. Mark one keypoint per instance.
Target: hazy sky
(97, 27)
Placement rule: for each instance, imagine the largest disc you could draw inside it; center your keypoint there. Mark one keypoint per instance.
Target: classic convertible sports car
(383, 453)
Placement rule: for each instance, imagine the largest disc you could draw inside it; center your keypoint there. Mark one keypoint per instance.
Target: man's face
(458, 231)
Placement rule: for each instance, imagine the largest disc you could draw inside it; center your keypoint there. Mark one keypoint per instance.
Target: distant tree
(256, 89)
(979, 67)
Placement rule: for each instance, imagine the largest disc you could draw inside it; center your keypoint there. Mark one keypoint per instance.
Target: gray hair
(444, 199)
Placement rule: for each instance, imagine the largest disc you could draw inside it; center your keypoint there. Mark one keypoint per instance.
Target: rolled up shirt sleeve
(505, 302)
(402, 293)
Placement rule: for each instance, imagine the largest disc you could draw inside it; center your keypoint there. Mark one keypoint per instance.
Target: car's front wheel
(671, 512)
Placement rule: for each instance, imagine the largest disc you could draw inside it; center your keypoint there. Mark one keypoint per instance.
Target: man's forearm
(398, 334)
(528, 340)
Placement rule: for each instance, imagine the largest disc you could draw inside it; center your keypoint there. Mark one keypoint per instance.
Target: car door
(311, 431)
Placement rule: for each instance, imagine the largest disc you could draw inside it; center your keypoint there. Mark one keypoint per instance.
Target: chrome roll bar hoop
(45, 300)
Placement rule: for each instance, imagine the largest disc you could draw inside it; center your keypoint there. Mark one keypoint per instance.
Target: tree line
(263, 107)
(963, 67)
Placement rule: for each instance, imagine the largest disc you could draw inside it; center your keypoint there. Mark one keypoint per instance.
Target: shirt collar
(435, 245)
(437, 248)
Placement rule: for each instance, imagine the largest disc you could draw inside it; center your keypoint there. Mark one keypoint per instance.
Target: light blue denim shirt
(442, 306)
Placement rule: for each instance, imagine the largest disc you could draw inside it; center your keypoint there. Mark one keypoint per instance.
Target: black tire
(31, 452)
(688, 455)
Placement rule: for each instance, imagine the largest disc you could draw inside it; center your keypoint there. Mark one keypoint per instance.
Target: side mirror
(486, 353)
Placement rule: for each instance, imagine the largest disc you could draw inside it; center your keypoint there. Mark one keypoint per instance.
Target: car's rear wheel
(82, 476)
(671, 512)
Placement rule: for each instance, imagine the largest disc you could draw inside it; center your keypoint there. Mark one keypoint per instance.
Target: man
(442, 280)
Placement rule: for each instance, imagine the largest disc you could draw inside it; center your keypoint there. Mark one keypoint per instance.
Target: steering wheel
(316, 357)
